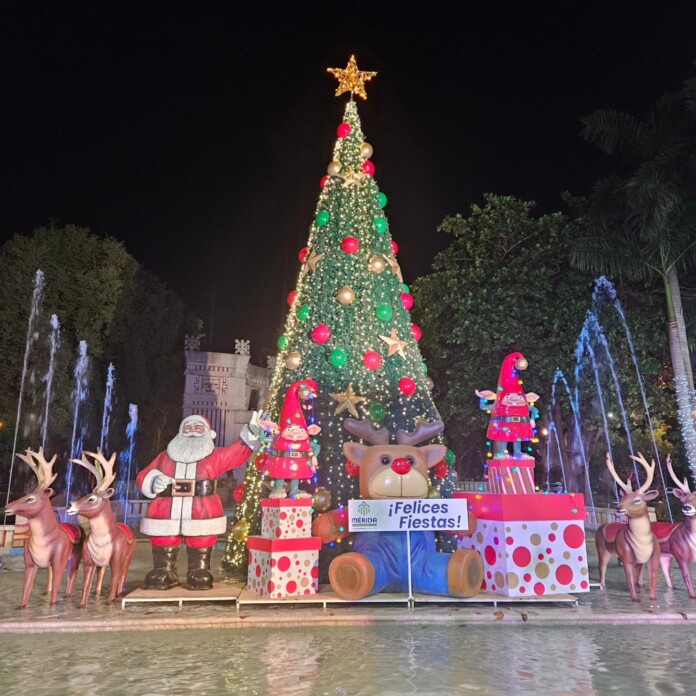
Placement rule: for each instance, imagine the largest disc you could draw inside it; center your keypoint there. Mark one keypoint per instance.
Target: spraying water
(106, 415)
(48, 377)
(79, 396)
(126, 458)
(32, 335)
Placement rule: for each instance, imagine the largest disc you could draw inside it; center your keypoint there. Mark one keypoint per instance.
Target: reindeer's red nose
(401, 466)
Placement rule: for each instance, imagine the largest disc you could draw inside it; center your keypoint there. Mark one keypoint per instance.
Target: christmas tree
(348, 328)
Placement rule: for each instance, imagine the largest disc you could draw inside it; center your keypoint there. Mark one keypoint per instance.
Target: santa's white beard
(190, 449)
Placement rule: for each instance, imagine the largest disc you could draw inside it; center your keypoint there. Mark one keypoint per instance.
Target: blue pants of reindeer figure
(388, 553)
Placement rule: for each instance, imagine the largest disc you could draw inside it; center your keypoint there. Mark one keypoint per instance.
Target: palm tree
(641, 223)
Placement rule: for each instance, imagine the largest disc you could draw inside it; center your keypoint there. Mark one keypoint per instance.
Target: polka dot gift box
(284, 560)
(286, 519)
(530, 544)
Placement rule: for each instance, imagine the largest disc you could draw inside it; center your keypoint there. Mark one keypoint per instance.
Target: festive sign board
(408, 515)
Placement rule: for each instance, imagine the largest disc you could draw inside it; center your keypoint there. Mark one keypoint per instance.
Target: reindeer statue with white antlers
(109, 543)
(678, 541)
(634, 543)
(50, 545)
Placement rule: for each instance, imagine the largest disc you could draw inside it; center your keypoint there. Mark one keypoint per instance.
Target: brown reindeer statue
(109, 542)
(678, 541)
(50, 545)
(634, 543)
(379, 560)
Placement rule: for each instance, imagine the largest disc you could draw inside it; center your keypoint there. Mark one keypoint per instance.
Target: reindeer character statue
(379, 562)
(678, 541)
(50, 545)
(634, 543)
(109, 542)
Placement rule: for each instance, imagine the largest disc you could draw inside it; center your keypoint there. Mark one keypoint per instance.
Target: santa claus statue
(512, 411)
(182, 483)
(292, 454)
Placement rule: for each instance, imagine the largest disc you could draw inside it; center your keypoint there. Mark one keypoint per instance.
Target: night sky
(197, 132)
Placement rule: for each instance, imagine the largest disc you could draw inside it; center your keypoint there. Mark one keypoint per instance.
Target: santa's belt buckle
(184, 488)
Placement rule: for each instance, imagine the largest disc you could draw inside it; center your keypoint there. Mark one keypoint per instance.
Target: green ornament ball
(425, 369)
(382, 199)
(303, 313)
(405, 288)
(283, 342)
(380, 224)
(450, 457)
(338, 357)
(384, 312)
(322, 218)
(377, 413)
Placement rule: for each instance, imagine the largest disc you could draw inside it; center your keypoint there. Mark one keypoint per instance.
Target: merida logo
(364, 508)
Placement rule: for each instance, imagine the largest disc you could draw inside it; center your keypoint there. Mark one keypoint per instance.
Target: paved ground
(596, 607)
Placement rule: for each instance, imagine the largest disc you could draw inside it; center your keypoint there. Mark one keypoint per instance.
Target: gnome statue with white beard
(182, 482)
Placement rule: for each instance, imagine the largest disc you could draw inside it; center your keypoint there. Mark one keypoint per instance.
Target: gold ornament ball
(334, 168)
(240, 530)
(434, 492)
(429, 382)
(377, 264)
(345, 295)
(366, 150)
(293, 360)
(322, 500)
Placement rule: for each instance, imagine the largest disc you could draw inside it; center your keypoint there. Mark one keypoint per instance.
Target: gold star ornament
(347, 401)
(395, 345)
(351, 79)
(395, 268)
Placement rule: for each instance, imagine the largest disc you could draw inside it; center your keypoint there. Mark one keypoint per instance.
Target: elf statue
(292, 455)
(512, 412)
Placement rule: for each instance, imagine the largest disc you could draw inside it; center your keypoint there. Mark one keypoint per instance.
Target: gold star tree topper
(351, 79)
(347, 401)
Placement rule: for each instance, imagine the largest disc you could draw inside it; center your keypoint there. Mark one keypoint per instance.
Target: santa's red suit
(189, 509)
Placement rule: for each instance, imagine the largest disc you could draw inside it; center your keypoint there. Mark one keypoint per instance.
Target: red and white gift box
(531, 544)
(286, 518)
(283, 567)
(511, 475)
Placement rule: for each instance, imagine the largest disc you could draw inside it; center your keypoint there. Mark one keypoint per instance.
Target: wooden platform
(230, 592)
(221, 592)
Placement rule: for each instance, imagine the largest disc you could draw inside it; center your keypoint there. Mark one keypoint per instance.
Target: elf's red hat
(291, 413)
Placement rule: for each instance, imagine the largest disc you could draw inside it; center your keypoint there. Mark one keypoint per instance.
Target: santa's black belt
(188, 488)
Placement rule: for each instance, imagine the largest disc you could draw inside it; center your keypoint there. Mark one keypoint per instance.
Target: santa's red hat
(197, 418)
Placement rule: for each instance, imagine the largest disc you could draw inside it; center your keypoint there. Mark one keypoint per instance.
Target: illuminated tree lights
(348, 328)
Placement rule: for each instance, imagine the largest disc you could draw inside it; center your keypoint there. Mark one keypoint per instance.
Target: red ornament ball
(395, 247)
(372, 360)
(416, 331)
(407, 386)
(324, 180)
(291, 297)
(350, 245)
(239, 493)
(303, 254)
(352, 469)
(321, 333)
(343, 131)
(260, 463)
(406, 300)
(368, 168)
(441, 469)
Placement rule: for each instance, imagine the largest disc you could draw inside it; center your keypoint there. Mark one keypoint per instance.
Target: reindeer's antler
(626, 487)
(684, 486)
(366, 431)
(42, 469)
(650, 470)
(102, 469)
(423, 431)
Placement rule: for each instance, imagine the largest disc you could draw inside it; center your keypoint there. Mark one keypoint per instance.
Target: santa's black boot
(199, 576)
(164, 575)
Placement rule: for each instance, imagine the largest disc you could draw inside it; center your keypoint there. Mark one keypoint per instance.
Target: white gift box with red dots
(286, 519)
(283, 567)
(531, 544)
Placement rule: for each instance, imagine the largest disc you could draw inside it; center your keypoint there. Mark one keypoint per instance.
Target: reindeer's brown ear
(107, 493)
(354, 451)
(433, 453)
(651, 495)
(679, 494)
(48, 492)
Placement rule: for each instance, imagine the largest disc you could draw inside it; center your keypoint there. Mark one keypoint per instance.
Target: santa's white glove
(160, 482)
